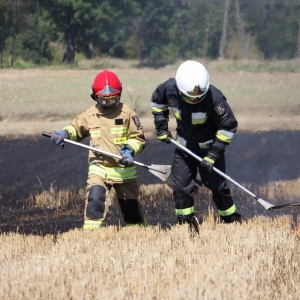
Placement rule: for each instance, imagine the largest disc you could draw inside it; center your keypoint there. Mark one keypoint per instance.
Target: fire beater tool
(285, 205)
(160, 171)
(264, 203)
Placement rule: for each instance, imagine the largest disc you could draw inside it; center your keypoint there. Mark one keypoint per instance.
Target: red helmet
(106, 84)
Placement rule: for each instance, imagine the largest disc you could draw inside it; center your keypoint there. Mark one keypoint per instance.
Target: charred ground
(32, 164)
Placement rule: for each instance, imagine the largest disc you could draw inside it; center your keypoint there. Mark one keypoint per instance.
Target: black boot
(234, 218)
(181, 219)
(194, 226)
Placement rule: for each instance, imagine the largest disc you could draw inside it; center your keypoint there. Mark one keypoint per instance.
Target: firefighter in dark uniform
(205, 125)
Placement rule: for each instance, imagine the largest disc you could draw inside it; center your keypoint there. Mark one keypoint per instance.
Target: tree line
(148, 31)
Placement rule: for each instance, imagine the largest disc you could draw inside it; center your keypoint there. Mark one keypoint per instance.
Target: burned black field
(32, 164)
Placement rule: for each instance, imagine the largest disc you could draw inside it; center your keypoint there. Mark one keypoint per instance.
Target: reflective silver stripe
(72, 132)
(118, 130)
(225, 136)
(158, 107)
(205, 145)
(176, 112)
(181, 140)
(113, 173)
(135, 145)
(229, 134)
(199, 118)
(95, 133)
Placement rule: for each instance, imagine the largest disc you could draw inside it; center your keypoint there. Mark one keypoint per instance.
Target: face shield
(194, 100)
(107, 102)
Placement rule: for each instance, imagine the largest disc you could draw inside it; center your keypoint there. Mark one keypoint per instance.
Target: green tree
(275, 27)
(13, 23)
(3, 30)
(67, 19)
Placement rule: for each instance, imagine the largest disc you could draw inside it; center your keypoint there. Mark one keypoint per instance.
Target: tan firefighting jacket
(109, 131)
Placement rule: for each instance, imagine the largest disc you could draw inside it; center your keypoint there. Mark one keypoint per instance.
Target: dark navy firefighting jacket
(198, 125)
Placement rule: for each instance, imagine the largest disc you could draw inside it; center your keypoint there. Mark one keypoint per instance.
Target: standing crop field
(44, 254)
(256, 260)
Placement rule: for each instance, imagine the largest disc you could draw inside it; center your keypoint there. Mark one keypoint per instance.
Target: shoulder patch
(137, 122)
(220, 109)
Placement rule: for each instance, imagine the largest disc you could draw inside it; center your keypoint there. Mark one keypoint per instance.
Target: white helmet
(192, 81)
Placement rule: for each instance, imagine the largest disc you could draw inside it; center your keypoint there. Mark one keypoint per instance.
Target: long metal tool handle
(103, 152)
(264, 203)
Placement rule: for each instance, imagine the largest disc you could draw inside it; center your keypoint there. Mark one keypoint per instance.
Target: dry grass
(256, 260)
(274, 191)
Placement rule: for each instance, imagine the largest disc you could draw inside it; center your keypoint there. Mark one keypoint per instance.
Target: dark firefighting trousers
(184, 170)
(99, 199)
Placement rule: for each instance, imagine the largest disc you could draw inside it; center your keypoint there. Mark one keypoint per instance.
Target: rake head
(265, 204)
(161, 171)
(285, 205)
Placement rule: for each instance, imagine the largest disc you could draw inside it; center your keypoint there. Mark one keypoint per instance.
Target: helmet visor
(192, 100)
(107, 101)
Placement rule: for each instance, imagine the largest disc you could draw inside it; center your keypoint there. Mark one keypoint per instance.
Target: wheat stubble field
(44, 254)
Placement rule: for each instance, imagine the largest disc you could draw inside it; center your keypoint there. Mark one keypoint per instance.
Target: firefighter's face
(107, 101)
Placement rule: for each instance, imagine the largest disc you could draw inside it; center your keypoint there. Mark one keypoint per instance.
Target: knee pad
(130, 211)
(96, 202)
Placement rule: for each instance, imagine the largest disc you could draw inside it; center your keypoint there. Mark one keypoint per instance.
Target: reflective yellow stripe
(113, 173)
(95, 133)
(176, 113)
(90, 224)
(225, 136)
(205, 145)
(158, 107)
(118, 141)
(228, 211)
(162, 137)
(72, 132)
(118, 130)
(209, 160)
(181, 140)
(135, 145)
(184, 211)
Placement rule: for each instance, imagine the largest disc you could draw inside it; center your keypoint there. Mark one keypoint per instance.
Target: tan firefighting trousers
(126, 192)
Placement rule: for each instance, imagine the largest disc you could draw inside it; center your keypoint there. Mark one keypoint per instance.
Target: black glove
(161, 126)
(58, 136)
(211, 157)
(164, 136)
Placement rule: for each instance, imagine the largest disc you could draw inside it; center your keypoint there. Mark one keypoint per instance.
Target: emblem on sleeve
(220, 109)
(137, 122)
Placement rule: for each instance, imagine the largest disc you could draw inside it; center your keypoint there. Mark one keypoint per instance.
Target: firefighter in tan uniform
(113, 127)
